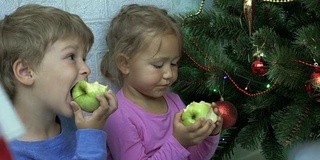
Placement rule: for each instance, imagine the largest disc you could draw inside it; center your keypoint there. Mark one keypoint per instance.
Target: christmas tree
(261, 56)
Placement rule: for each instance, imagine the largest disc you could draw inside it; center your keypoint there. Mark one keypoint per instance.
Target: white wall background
(97, 14)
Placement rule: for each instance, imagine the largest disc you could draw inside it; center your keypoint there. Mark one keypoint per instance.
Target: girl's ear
(122, 62)
(24, 74)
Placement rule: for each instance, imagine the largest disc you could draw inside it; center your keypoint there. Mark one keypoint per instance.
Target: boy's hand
(191, 135)
(108, 104)
(219, 122)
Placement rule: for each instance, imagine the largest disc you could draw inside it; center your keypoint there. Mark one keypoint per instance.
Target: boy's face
(63, 65)
(153, 70)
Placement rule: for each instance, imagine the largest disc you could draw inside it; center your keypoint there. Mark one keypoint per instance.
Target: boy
(42, 56)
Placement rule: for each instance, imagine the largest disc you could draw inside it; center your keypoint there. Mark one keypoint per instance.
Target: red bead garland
(209, 69)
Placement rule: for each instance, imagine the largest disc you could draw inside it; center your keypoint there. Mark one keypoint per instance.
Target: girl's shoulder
(174, 99)
(172, 95)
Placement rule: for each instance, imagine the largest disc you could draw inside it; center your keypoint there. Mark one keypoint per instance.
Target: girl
(144, 47)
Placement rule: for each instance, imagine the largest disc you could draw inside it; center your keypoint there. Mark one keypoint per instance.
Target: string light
(268, 86)
(246, 88)
(209, 69)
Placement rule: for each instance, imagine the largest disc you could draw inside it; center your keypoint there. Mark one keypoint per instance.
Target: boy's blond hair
(29, 31)
(131, 31)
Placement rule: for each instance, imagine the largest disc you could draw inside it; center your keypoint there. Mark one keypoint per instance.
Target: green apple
(84, 93)
(196, 110)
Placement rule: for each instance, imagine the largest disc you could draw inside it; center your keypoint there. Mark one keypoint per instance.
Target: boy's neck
(39, 125)
(38, 133)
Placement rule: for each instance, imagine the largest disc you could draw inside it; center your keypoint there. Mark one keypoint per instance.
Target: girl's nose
(168, 73)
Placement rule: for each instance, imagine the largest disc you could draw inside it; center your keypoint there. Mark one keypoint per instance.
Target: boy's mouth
(72, 90)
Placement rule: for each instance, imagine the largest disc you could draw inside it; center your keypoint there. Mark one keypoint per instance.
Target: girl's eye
(157, 65)
(174, 64)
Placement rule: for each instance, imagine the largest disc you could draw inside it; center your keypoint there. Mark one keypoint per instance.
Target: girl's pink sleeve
(124, 142)
(206, 149)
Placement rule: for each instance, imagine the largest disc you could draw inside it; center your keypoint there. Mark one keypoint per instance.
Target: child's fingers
(215, 108)
(112, 99)
(101, 112)
(216, 111)
(177, 118)
(207, 127)
(74, 106)
(214, 105)
(198, 124)
(103, 101)
(77, 112)
(108, 104)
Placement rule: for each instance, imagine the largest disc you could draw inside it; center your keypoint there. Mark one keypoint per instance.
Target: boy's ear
(23, 73)
(122, 62)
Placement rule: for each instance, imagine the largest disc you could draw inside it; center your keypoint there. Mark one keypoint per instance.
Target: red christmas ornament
(4, 150)
(258, 67)
(228, 112)
(313, 85)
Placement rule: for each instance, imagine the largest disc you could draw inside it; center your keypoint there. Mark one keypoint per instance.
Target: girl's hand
(191, 135)
(219, 122)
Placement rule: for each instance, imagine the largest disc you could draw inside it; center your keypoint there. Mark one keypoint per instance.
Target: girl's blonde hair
(131, 30)
(29, 31)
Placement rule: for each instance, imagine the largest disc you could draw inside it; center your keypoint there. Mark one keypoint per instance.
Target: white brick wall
(97, 15)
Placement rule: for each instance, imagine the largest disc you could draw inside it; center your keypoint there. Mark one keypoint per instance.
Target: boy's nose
(85, 70)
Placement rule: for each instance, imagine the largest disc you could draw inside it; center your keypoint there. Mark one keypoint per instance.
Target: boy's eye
(70, 57)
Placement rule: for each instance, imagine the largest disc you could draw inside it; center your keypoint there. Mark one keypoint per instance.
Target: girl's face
(63, 65)
(153, 70)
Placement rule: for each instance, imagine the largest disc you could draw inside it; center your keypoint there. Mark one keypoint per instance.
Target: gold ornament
(278, 1)
(249, 11)
(197, 13)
